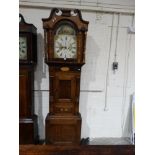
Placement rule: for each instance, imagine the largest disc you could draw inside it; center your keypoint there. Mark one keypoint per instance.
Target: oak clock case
(64, 38)
(28, 128)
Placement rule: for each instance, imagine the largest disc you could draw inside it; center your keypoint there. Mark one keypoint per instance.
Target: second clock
(65, 39)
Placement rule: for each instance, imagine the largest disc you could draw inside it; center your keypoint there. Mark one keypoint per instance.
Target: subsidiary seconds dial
(65, 46)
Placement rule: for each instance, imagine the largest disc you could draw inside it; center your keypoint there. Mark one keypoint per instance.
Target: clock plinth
(28, 128)
(64, 38)
(63, 130)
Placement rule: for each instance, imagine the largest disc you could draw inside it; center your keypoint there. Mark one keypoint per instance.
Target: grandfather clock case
(64, 38)
(28, 129)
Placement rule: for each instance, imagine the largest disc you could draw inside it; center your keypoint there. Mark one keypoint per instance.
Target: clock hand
(70, 47)
(65, 41)
(65, 54)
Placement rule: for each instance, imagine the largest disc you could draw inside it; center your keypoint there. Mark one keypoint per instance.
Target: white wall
(105, 95)
(95, 5)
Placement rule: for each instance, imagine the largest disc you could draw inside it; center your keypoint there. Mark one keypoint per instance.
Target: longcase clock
(28, 130)
(64, 38)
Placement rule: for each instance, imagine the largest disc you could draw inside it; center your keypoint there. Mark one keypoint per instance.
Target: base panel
(28, 130)
(63, 130)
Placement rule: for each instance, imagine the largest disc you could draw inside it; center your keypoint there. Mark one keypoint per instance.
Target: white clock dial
(65, 46)
(22, 48)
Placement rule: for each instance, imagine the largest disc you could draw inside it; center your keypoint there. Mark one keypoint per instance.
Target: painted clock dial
(22, 48)
(65, 43)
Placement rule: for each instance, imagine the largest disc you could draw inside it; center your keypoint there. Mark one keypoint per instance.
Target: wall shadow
(40, 73)
(88, 76)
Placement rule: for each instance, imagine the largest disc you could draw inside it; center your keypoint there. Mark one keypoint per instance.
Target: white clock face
(65, 46)
(22, 48)
(65, 42)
